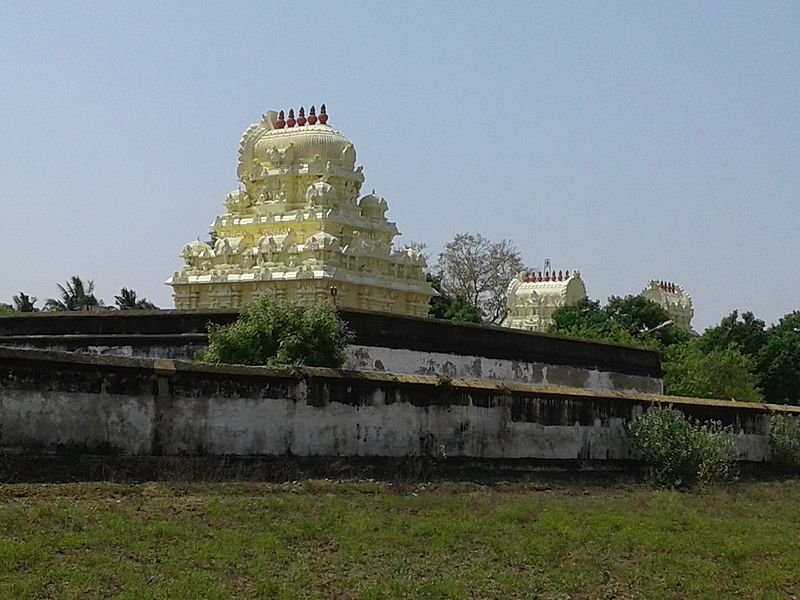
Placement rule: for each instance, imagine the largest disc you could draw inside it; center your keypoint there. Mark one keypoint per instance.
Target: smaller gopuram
(533, 297)
(297, 230)
(673, 299)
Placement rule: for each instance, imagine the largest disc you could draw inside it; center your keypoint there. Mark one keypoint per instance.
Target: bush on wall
(682, 453)
(280, 333)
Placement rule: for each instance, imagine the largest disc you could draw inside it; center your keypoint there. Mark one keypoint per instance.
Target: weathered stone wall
(384, 343)
(51, 401)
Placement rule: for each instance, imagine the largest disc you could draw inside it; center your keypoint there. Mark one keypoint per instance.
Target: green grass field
(370, 540)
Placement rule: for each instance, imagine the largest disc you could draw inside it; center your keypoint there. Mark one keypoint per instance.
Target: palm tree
(127, 301)
(24, 303)
(75, 295)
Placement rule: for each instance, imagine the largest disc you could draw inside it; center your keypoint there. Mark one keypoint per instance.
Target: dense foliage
(280, 333)
(784, 440)
(682, 453)
(778, 361)
(630, 320)
(725, 374)
(739, 359)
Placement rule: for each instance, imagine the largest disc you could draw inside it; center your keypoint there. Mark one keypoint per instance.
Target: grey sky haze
(629, 140)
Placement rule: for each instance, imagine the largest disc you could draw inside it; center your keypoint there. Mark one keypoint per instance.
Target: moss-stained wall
(52, 400)
(386, 343)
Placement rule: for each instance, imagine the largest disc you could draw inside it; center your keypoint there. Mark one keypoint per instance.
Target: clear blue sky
(629, 140)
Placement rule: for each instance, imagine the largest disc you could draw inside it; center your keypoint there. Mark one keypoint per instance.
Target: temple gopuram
(297, 230)
(534, 297)
(673, 299)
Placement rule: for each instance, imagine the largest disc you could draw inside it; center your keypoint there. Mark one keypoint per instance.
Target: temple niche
(533, 297)
(673, 299)
(298, 230)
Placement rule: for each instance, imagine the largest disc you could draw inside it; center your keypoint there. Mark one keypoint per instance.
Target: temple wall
(414, 362)
(383, 343)
(53, 402)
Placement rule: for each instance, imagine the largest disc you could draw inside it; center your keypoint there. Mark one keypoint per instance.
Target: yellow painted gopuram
(297, 230)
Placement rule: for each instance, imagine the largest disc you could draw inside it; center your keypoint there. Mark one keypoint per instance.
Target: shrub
(784, 440)
(682, 453)
(280, 333)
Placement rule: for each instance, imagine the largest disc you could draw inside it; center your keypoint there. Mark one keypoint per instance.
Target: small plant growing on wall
(684, 453)
(784, 440)
(274, 333)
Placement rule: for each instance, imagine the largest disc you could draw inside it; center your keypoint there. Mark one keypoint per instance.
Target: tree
(479, 271)
(631, 320)
(24, 303)
(6, 309)
(747, 333)
(723, 374)
(127, 300)
(454, 308)
(778, 361)
(75, 295)
(280, 333)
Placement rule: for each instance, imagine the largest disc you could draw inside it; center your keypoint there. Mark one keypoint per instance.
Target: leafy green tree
(6, 309)
(631, 320)
(747, 333)
(723, 374)
(280, 333)
(24, 303)
(454, 308)
(778, 361)
(75, 295)
(127, 300)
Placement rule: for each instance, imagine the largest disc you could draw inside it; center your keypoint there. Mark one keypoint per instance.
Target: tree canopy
(700, 367)
(724, 374)
(631, 320)
(478, 271)
(778, 361)
(127, 300)
(75, 295)
(24, 303)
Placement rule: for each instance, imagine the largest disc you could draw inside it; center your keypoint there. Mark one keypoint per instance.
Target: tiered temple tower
(297, 230)
(534, 297)
(673, 299)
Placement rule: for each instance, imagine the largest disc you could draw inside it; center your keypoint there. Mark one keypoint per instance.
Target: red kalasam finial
(312, 116)
(281, 122)
(323, 115)
(301, 119)
(291, 122)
